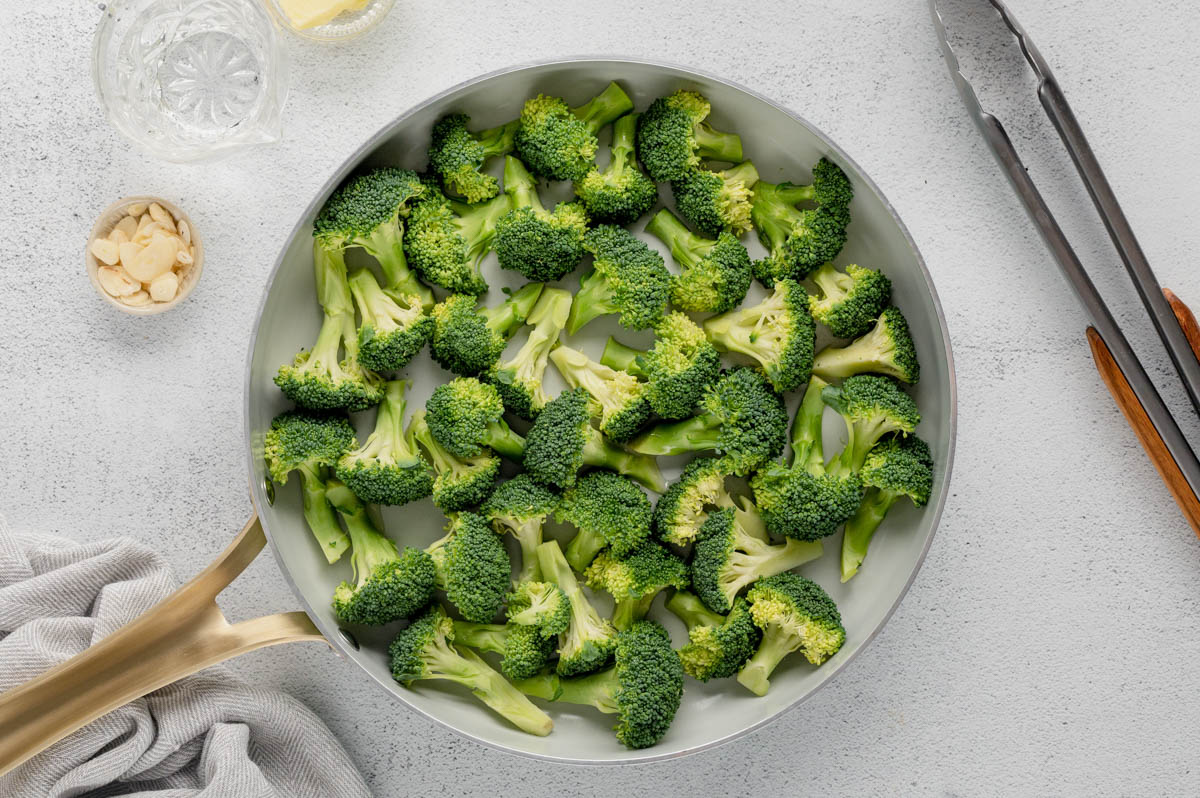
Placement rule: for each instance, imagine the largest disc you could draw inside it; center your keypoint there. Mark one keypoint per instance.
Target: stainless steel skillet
(188, 632)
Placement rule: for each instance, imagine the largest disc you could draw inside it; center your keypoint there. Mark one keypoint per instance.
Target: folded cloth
(208, 735)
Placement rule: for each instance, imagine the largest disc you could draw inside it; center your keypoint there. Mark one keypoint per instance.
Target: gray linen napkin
(208, 735)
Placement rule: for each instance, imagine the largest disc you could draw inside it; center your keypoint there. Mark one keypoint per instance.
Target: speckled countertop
(1049, 645)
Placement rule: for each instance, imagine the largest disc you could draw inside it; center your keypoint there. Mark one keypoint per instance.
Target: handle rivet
(269, 491)
(349, 638)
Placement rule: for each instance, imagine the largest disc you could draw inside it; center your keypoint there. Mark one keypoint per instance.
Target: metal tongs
(1120, 368)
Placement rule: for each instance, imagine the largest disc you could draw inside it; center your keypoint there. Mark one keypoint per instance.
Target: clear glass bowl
(190, 80)
(345, 26)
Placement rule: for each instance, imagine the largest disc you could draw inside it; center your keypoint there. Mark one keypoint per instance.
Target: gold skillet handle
(180, 635)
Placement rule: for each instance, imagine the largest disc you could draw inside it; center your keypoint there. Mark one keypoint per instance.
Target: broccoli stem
(834, 285)
(866, 353)
(641, 468)
(507, 443)
(685, 246)
(774, 211)
(583, 548)
(745, 172)
(488, 637)
(627, 611)
(512, 312)
(690, 435)
(691, 610)
(861, 528)
(498, 140)
(776, 644)
(529, 537)
(593, 299)
(713, 145)
(594, 690)
(468, 669)
(477, 224)
(605, 107)
(807, 447)
(385, 244)
(324, 354)
(521, 186)
(622, 148)
(626, 358)
(318, 512)
(369, 547)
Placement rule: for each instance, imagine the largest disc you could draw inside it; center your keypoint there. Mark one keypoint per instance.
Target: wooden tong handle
(1146, 434)
(1186, 319)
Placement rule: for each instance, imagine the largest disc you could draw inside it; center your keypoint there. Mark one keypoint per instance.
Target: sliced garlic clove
(137, 299)
(154, 259)
(136, 209)
(106, 251)
(118, 236)
(161, 215)
(185, 232)
(116, 282)
(128, 251)
(164, 287)
(128, 226)
(184, 257)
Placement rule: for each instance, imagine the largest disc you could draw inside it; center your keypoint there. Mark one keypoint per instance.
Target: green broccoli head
(466, 416)
(717, 645)
(800, 504)
(682, 509)
(387, 469)
(457, 155)
(673, 137)
(459, 483)
(715, 273)
(520, 507)
(394, 326)
(540, 605)
(716, 202)
(799, 241)
(740, 416)
(733, 551)
(627, 277)
(562, 441)
(468, 341)
(540, 244)
(777, 333)
(519, 380)
(524, 649)
(850, 301)
(678, 369)
(795, 614)
(446, 240)
(634, 580)
(425, 650)
(388, 584)
(608, 510)
(621, 398)
(366, 212)
(872, 407)
(559, 142)
(621, 193)
(886, 349)
(472, 567)
(589, 640)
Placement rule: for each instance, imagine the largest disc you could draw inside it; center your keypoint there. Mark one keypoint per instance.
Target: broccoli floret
(366, 212)
(802, 500)
(886, 349)
(468, 341)
(540, 244)
(458, 483)
(850, 301)
(562, 441)
(388, 584)
(644, 687)
(388, 469)
(682, 509)
(559, 142)
(524, 649)
(519, 380)
(733, 551)
(458, 155)
(394, 326)
(799, 241)
(872, 407)
(718, 645)
(621, 398)
(777, 333)
(472, 567)
(310, 443)
(318, 378)
(588, 641)
(740, 416)
(893, 469)
(673, 137)
(621, 193)
(627, 277)
(608, 510)
(541, 605)
(716, 202)
(425, 650)
(466, 417)
(795, 614)
(520, 507)
(446, 240)
(715, 273)
(678, 369)
(634, 580)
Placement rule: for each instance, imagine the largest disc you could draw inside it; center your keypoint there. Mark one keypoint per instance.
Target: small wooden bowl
(108, 220)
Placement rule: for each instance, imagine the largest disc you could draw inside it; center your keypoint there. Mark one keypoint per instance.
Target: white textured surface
(1048, 646)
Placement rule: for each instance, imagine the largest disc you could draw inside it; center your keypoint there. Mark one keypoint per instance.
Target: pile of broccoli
(722, 542)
